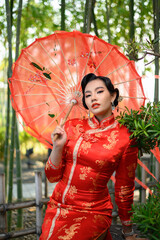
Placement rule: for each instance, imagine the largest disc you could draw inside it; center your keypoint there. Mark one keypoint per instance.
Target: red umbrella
(47, 76)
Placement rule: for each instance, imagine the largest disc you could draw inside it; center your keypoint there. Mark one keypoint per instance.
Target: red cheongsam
(80, 207)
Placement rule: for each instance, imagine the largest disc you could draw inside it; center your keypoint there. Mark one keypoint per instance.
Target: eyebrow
(95, 89)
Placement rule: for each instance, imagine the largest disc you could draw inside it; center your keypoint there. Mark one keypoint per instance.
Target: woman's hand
(61, 138)
(135, 238)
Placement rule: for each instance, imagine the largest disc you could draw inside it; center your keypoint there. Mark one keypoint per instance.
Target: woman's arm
(124, 186)
(55, 164)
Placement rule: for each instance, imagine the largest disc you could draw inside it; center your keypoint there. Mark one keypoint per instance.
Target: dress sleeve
(55, 173)
(124, 185)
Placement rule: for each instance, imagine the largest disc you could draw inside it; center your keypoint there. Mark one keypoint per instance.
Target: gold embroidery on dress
(99, 218)
(79, 219)
(131, 170)
(72, 191)
(57, 195)
(53, 205)
(53, 179)
(112, 140)
(84, 172)
(70, 232)
(64, 212)
(48, 220)
(76, 130)
(46, 223)
(100, 163)
(99, 135)
(87, 205)
(47, 166)
(85, 146)
(75, 151)
(60, 229)
(125, 190)
(94, 180)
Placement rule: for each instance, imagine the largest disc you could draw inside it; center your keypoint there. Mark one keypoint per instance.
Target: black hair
(90, 77)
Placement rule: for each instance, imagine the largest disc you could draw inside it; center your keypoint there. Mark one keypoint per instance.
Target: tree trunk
(156, 11)
(132, 27)
(108, 25)
(63, 15)
(87, 16)
(17, 145)
(142, 17)
(94, 20)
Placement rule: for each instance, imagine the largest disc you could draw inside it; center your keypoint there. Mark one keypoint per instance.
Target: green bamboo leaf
(47, 75)
(51, 115)
(36, 66)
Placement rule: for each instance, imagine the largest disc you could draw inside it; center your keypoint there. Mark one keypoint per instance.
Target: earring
(113, 106)
(89, 114)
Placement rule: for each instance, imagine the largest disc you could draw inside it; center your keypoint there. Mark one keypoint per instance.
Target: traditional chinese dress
(80, 207)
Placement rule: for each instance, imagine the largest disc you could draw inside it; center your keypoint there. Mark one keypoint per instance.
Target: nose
(93, 98)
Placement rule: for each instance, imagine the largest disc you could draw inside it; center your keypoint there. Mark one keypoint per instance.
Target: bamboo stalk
(19, 179)
(11, 162)
(6, 146)
(9, 37)
(17, 145)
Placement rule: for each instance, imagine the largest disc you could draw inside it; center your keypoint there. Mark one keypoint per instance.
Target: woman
(84, 157)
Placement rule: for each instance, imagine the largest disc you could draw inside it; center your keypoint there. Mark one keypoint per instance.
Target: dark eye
(87, 95)
(100, 91)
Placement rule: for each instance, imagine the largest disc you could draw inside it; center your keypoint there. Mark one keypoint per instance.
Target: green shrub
(143, 124)
(147, 216)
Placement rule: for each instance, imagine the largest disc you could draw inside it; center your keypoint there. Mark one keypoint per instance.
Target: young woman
(84, 157)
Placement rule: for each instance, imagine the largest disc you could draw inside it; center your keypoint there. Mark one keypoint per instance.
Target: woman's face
(98, 99)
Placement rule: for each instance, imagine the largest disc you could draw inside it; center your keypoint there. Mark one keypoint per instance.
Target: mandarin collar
(93, 122)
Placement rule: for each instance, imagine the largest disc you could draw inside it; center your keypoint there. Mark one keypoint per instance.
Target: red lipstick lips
(95, 105)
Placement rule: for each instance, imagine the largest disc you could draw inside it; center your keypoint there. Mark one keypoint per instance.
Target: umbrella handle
(65, 118)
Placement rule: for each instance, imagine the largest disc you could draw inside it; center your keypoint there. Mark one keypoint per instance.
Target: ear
(113, 96)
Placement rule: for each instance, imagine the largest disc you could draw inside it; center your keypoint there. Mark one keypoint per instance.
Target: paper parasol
(48, 73)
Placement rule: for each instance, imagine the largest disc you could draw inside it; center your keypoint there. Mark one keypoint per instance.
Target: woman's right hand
(59, 137)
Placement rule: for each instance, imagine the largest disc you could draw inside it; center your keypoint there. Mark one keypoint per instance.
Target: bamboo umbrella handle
(73, 102)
